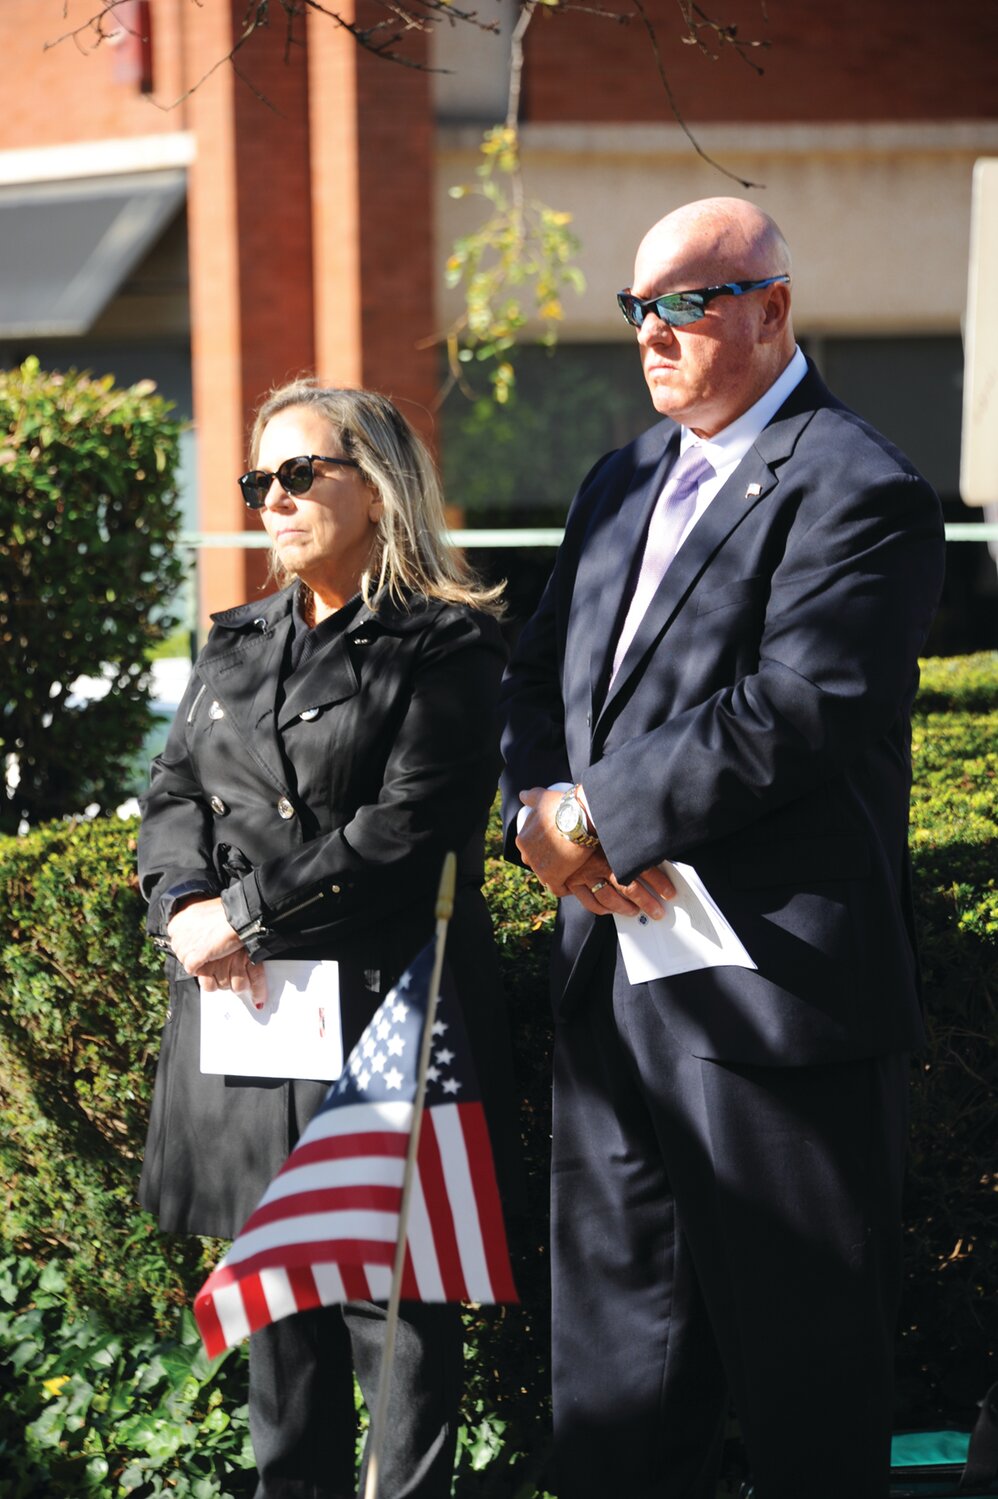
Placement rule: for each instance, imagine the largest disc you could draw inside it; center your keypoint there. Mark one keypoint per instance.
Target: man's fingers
(524, 855)
(598, 895)
(640, 898)
(659, 881)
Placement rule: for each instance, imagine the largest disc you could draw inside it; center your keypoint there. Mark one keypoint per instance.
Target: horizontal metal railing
(530, 536)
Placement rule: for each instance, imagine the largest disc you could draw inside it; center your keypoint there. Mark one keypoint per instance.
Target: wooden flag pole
(376, 1436)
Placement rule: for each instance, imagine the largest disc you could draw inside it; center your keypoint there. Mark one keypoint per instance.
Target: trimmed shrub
(88, 518)
(953, 683)
(82, 1000)
(948, 1350)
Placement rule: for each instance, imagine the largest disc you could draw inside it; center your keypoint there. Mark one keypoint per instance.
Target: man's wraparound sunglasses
(677, 308)
(295, 476)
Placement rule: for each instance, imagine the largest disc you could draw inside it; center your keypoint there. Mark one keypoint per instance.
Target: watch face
(567, 817)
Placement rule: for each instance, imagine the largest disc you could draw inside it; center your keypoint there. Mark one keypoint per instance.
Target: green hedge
(89, 515)
(81, 1004)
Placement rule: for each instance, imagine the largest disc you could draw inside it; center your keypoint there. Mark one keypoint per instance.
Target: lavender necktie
(669, 519)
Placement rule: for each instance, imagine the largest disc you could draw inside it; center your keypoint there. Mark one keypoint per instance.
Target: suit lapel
(748, 487)
(607, 563)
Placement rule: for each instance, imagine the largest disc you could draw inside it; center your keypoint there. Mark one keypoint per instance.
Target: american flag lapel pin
(753, 492)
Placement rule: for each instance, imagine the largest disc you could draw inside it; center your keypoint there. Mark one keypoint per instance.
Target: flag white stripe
(231, 1313)
(276, 1287)
(357, 1171)
(359, 1119)
(315, 1228)
(421, 1246)
(329, 1283)
(464, 1207)
(379, 1282)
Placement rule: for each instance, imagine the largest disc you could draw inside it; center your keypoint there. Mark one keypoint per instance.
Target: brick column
(250, 260)
(371, 150)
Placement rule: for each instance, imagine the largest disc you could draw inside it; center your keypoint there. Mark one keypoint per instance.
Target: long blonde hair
(411, 554)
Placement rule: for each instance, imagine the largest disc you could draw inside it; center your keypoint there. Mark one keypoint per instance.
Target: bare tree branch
(674, 103)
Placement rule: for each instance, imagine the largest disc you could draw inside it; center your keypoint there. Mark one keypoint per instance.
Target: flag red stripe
(342, 1147)
(410, 1287)
(374, 1198)
(207, 1320)
(355, 1281)
(490, 1218)
(439, 1210)
(254, 1302)
(303, 1287)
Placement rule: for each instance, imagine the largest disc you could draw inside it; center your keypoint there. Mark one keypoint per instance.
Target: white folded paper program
(297, 1033)
(692, 934)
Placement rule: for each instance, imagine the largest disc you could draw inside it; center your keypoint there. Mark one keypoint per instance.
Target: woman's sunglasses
(678, 308)
(295, 476)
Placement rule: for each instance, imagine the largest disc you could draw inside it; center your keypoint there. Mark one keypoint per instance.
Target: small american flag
(326, 1228)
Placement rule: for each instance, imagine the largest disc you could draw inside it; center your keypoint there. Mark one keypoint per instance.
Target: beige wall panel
(878, 218)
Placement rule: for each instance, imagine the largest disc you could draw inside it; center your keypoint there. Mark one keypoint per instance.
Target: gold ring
(599, 885)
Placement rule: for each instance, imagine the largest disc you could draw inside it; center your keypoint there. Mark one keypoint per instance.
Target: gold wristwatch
(571, 821)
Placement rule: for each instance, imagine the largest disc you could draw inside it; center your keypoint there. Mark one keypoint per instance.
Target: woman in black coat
(335, 740)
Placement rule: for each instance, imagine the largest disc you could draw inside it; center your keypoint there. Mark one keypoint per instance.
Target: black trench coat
(324, 827)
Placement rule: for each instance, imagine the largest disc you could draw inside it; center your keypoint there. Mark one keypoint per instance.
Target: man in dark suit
(721, 672)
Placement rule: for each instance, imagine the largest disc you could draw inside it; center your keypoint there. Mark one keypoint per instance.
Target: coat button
(334, 889)
(218, 806)
(285, 808)
(307, 714)
(216, 710)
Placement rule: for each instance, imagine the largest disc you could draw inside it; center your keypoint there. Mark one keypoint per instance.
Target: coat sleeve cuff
(169, 901)
(243, 909)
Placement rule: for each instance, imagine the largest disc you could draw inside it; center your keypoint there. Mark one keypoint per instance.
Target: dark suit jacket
(324, 825)
(758, 727)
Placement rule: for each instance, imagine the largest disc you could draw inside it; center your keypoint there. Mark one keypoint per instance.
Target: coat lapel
(328, 677)
(242, 674)
(331, 675)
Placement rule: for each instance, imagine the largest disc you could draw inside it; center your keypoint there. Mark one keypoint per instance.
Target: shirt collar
(726, 449)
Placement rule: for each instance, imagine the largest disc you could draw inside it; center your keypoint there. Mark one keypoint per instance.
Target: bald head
(707, 373)
(730, 237)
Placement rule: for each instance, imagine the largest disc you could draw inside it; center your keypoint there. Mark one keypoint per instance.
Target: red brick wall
(250, 265)
(372, 141)
(53, 94)
(852, 60)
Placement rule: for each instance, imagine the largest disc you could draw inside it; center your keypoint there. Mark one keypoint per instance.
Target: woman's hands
(209, 949)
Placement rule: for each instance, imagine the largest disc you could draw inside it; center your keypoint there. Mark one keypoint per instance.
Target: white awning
(66, 247)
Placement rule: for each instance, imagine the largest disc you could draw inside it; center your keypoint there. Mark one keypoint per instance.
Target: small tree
(88, 519)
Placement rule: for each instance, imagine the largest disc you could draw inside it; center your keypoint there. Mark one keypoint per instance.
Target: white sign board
(979, 449)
